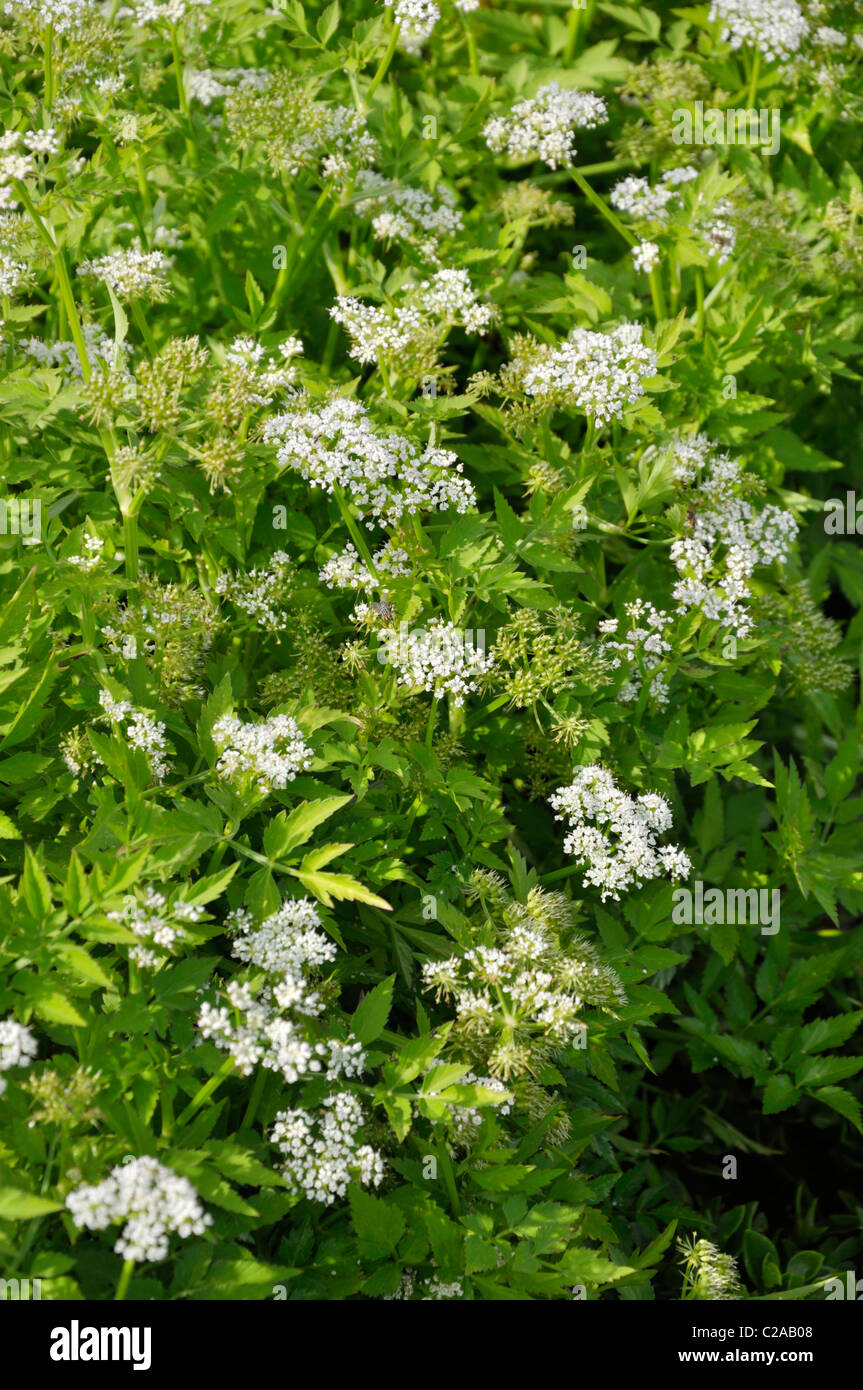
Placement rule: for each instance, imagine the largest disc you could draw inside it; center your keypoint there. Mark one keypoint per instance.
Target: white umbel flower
(321, 1152)
(776, 27)
(645, 256)
(131, 273)
(416, 19)
(141, 731)
(151, 1199)
(543, 127)
(439, 658)
(17, 1047)
(601, 374)
(272, 751)
(385, 476)
(612, 836)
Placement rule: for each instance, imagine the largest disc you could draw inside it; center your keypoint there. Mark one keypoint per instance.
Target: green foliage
(268, 850)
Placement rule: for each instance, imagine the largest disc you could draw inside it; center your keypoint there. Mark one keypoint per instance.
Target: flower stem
(206, 1091)
(657, 295)
(254, 1099)
(48, 56)
(753, 79)
(355, 533)
(124, 1280)
(602, 206)
(383, 65)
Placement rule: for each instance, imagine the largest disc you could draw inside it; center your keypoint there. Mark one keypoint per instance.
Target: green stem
(431, 722)
(355, 533)
(753, 79)
(206, 1091)
(383, 65)
(699, 301)
(143, 327)
(657, 295)
(254, 1099)
(48, 52)
(124, 1280)
(130, 547)
(601, 206)
(178, 71)
(573, 23)
(472, 57)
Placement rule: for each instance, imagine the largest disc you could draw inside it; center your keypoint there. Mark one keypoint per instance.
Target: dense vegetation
(429, 663)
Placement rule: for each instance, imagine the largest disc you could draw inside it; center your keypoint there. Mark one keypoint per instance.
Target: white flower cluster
(439, 658)
(347, 571)
(543, 127)
(62, 15)
(255, 376)
(15, 164)
(776, 27)
(719, 231)
(416, 20)
(376, 331)
(13, 274)
(158, 925)
(262, 593)
(379, 331)
(142, 731)
(827, 37)
(285, 942)
(524, 990)
(600, 374)
(91, 555)
(641, 647)
(645, 256)
(17, 1047)
(272, 751)
(151, 1199)
(322, 1152)
(450, 295)
(206, 86)
(407, 214)
(386, 477)
(171, 11)
(713, 1276)
(272, 1028)
(635, 196)
(101, 349)
(729, 538)
(612, 836)
(296, 132)
(409, 1286)
(132, 273)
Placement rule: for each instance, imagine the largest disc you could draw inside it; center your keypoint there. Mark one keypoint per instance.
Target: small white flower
(645, 256)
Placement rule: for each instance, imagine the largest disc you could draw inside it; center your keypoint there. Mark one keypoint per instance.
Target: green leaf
(23, 1206)
(370, 1017)
(284, 833)
(379, 1225)
(328, 886)
(843, 1101)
